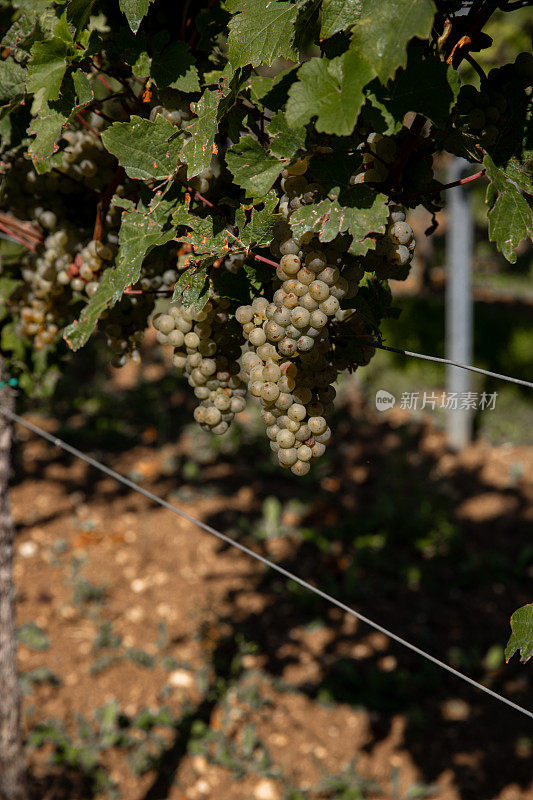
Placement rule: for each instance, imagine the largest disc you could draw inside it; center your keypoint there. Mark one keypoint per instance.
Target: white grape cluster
(308, 296)
(123, 327)
(85, 158)
(394, 250)
(297, 190)
(295, 394)
(208, 351)
(81, 271)
(379, 154)
(124, 324)
(68, 258)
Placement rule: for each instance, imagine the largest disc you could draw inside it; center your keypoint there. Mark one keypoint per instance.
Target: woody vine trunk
(12, 762)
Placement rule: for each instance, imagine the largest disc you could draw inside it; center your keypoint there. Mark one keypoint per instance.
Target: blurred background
(157, 663)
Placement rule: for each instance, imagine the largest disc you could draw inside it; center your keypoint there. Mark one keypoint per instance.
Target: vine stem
(209, 204)
(473, 63)
(443, 186)
(23, 233)
(218, 210)
(104, 203)
(13, 775)
(204, 200)
(80, 118)
(76, 181)
(478, 16)
(264, 260)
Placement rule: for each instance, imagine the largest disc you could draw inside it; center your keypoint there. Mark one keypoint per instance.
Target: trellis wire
(453, 364)
(265, 561)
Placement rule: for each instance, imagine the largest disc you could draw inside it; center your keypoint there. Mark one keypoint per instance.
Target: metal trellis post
(459, 306)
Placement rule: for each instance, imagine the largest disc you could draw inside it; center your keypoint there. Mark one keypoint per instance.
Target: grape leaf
(359, 211)
(307, 25)
(49, 60)
(272, 92)
(11, 341)
(174, 67)
(285, 141)
(192, 286)
(78, 13)
(330, 90)
(198, 149)
(140, 232)
(521, 638)
(83, 89)
(50, 122)
(145, 149)
(521, 171)
(259, 230)
(135, 11)
(384, 29)
(338, 15)
(260, 32)
(252, 167)
(433, 97)
(12, 85)
(46, 127)
(208, 235)
(510, 217)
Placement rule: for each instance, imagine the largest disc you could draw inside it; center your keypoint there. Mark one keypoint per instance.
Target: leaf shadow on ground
(390, 541)
(379, 527)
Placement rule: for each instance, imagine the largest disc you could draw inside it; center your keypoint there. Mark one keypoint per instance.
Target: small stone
(164, 610)
(199, 764)
(202, 787)
(388, 663)
(455, 710)
(181, 679)
(266, 790)
(138, 585)
(278, 740)
(27, 549)
(135, 614)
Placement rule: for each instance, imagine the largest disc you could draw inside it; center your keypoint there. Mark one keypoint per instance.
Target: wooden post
(12, 760)
(459, 306)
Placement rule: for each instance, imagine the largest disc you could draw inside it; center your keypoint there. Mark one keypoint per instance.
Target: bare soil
(330, 690)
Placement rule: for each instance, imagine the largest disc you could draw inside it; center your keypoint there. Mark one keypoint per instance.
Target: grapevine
(238, 179)
(234, 213)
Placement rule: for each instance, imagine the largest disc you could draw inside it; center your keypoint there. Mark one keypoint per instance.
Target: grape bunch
(394, 250)
(478, 113)
(207, 348)
(484, 113)
(291, 409)
(379, 154)
(68, 260)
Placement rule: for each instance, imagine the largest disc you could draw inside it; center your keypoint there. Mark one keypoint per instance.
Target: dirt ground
(271, 693)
